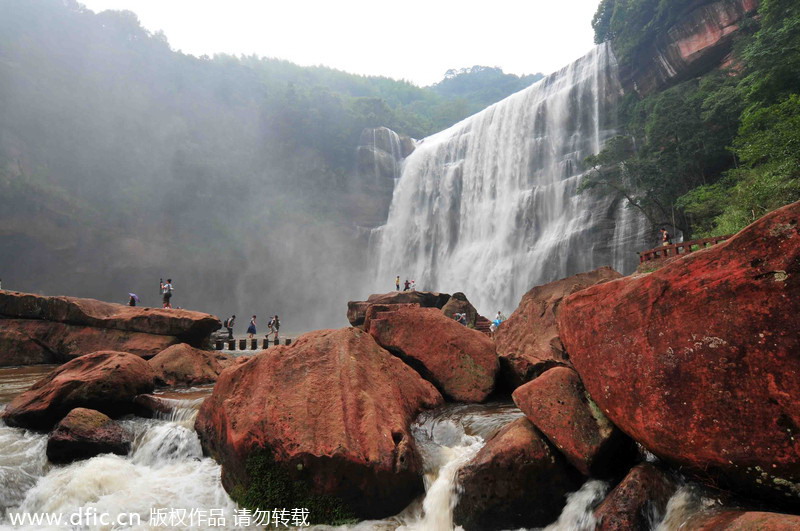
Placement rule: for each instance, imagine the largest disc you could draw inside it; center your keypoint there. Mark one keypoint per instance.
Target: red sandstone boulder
(106, 381)
(528, 342)
(31, 341)
(85, 433)
(190, 327)
(458, 303)
(745, 521)
(644, 492)
(516, 480)
(461, 362)
(324, 422)
(18, 348)
(557, 403)
(700, 360)
(356, 310)
(186, 365)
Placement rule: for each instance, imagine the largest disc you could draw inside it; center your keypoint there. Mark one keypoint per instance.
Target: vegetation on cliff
(714, 153)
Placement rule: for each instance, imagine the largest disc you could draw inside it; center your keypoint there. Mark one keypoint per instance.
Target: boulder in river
(185, 365)
(516, 480)
(31, 341)
(639, 498)
(461, 362)
(745, 521)
(106, 381)
(700, 361)
(188, 326)
(557, 403)
(85, 433)
(528, 342)
(357, 310)
(322, 424)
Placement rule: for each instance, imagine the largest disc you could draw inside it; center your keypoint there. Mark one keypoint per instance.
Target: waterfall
(491, 206)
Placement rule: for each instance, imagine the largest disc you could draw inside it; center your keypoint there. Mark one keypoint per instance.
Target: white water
(165, 470)
(490, 206)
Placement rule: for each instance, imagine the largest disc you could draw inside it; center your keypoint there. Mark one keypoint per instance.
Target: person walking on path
(397, 283)
(274, 326)
(251, 330)
(166, 292)
(229, 325)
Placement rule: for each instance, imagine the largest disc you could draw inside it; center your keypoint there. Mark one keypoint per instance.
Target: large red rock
(31, 341)
(106, 381)
(357, 310)
(18, 348)
(85, 433)
(458, 303)
(528, 342)
(745, 521)
(325, 421)
(644, 492)
(700, 360)
(461, 362)
(516, 480)
(557, 403)
(185, 365)
(190, 327)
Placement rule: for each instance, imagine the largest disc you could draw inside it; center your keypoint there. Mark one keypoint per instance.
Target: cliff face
(701, 41)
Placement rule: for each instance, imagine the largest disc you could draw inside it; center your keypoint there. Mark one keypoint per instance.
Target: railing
(676, 249)
(252, 343)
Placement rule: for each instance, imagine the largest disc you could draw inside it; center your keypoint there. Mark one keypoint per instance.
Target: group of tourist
(274, 325)
(408, 285)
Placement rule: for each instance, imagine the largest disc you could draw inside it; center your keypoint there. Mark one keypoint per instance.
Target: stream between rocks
(166, 479)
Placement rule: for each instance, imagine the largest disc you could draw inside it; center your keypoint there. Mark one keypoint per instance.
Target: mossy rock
(271, 486)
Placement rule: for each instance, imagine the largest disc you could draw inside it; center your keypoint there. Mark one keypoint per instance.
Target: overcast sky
(407, 39)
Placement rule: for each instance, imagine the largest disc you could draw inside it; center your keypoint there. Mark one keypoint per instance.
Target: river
(165, 478)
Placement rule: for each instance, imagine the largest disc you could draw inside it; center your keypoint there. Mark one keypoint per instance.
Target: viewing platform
(675, 249)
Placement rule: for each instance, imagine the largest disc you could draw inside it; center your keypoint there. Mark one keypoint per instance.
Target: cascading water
(491, 206)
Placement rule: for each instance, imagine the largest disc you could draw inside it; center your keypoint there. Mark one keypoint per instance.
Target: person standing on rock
(166, 292)
(407, 285)
(229, 326)
(251, 330)
(413, 285)
(397, 283)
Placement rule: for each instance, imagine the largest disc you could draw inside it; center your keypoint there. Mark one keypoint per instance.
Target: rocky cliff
(699, 42)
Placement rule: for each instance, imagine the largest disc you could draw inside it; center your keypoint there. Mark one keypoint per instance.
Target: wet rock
(321, 424)
(641, 495)
(746, 521)
(528, 342)
(18, 348)
(85, 433)
(558, 405)
(461, 362)
(151, 407)
(700, 41)
(191, 327)
(106, 381)
(458, 303)
(187, 366)
(516, 480)
(699, 362)
(357, 310)
(31, 341)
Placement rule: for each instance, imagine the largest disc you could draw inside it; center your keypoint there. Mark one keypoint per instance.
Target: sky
(416, 40)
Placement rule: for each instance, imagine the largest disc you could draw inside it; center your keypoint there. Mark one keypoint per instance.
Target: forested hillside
(715, 152)
(122, 161)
